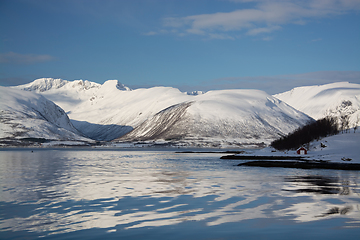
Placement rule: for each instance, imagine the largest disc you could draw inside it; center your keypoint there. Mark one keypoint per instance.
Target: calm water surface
(124, 194)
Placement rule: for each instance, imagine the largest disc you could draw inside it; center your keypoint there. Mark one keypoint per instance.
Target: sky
(189, 44)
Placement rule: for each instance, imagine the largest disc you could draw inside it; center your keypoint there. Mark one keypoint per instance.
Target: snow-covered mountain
(30, 115)
(107, 111)
(335, 99)
(221, 118)
(110, 110)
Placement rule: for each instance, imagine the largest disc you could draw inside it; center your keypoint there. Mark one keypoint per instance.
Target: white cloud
(264, 17)
(257, 31)
(195, 31)
(220, 36)
(17, 58)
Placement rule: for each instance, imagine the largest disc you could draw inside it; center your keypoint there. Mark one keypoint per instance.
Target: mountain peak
(43, 84)
(117, 84)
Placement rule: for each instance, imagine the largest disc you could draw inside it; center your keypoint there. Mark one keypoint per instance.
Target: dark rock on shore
(247, 157)
(222, 152)
(303, 165)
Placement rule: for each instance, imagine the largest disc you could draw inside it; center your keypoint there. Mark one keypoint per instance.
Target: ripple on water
(127, 194)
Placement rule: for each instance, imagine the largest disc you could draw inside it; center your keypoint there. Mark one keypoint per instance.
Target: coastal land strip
(303, 165)
(291, 162)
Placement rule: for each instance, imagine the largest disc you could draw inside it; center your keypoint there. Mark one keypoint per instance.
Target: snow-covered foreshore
(341, 148)
(344, 147)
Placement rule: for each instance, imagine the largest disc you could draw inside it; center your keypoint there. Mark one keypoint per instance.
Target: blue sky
(190, 44)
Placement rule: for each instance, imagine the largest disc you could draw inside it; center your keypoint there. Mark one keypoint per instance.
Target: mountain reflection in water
(320, 185)
(161, 195)
(326, 185)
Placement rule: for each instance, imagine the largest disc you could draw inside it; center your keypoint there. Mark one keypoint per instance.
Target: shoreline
(257, 157)
(291, 162)
(303, 165)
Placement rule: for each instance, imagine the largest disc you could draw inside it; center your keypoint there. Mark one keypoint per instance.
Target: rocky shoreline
(303, 165)
(290, 162)
(254, 157)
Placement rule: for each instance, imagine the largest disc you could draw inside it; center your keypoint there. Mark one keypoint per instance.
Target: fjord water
(153, 194)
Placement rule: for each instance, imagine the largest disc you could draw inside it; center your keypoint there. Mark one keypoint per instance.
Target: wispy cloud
(151, 33)
(263, 18)
(17, 58)
(256, 31)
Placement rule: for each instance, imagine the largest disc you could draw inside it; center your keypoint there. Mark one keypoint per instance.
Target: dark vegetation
(304, 135)
(37, 140)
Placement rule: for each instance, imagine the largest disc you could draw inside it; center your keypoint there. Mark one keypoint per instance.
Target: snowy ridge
(335, 99)
(111, 110)
(163, 125)
(30, 115)
(46, 84)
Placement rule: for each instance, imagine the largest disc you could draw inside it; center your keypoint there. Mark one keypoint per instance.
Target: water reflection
(54, 192)
(324, 188)
(174, 182)
(31, 176)
(337, 210)
(320, 185)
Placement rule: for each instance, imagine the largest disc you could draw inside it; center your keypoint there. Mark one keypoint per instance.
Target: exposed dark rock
(247, 157)
(303, 165)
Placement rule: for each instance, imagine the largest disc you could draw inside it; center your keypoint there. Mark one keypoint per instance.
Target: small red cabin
(301, 151)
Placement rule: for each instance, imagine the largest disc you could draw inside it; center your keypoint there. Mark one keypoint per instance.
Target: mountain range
(114, 112)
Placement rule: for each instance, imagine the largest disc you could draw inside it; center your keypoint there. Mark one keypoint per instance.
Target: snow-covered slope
(110, 110)
(342, 148)
(29, 115)
(106, 111)
(221, 118)
(335, 99)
